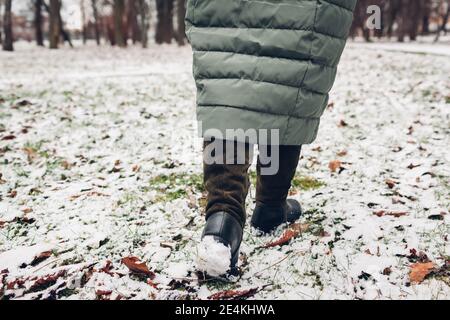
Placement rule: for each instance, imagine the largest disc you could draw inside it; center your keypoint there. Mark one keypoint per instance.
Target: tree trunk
(181, 13)
(54, 29)
(96, 26)
(132, 22)
(83, 21)
(403, 20)
(426, 15)
(38, 23)
(7, 27)
(164, 27)
(119, 27)
(415, 8)
(144, 12)
(1, 23)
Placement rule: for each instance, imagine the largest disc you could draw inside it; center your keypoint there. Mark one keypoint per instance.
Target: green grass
(299, 182)
(174, 186)
(306, 183)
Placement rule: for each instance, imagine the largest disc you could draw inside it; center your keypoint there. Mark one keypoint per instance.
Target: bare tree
(1, 22)
(133, 25)
(7, 27)
(181, 30)
(83, 21)
(119, 27)
(56, 24)
(144, 13)
(96, 22)
(54, 31)
(164, 26)
(38, 22)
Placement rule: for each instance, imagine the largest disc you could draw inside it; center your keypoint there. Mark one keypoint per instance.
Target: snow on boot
(218, 252)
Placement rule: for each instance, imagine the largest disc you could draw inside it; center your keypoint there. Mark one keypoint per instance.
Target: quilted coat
(266, 64)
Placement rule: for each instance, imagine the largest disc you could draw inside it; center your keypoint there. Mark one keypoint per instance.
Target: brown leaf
(135, 266)
(46, 281)
(417, 257)
(294, 231)
(342, 153)
(12, 194)
(342, 124)
(387, 271)
(419, 271)
(413, 166)
(9, 137)
(103, 294)
(391, 183)
(382, 213)
(88, 194)
(31, 153)
(41, 257)
(234, 294)
(24, 220)
(27, 210)
(22, 103)
(152, 284)
(335, 165)
(66, 165)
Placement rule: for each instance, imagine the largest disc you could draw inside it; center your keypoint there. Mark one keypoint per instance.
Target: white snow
(213, 257)
(106, 156)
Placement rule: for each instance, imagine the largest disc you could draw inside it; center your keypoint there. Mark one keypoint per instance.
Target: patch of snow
(213, 257)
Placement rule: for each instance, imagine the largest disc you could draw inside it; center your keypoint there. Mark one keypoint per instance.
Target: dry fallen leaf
(387, 271)
(8, 137)
(342, 124)
(335, 165)
(31, 154)
(41, 257)
(12, 194)
(233, 294)
(382, 213)
(413, 166)
(391, 183)
(419, 271)
(66, 165)
(136, 266)
(342, 153)
(103, 294)
(294, 231)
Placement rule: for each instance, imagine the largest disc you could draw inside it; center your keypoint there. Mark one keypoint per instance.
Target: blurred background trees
(124, 22)
(403, 19)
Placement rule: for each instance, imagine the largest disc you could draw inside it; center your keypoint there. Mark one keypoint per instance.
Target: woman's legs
(273, 190)
(227, 184)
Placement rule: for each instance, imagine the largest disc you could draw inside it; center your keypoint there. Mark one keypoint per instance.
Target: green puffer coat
(266, 64)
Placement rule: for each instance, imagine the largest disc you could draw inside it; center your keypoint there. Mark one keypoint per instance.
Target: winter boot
(267, 218)
(218, 252)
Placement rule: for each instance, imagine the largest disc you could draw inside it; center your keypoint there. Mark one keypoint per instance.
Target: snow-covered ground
(99, 161)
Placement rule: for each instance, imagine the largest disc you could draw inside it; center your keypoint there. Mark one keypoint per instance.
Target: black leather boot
(226, 229)
(267, 218)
